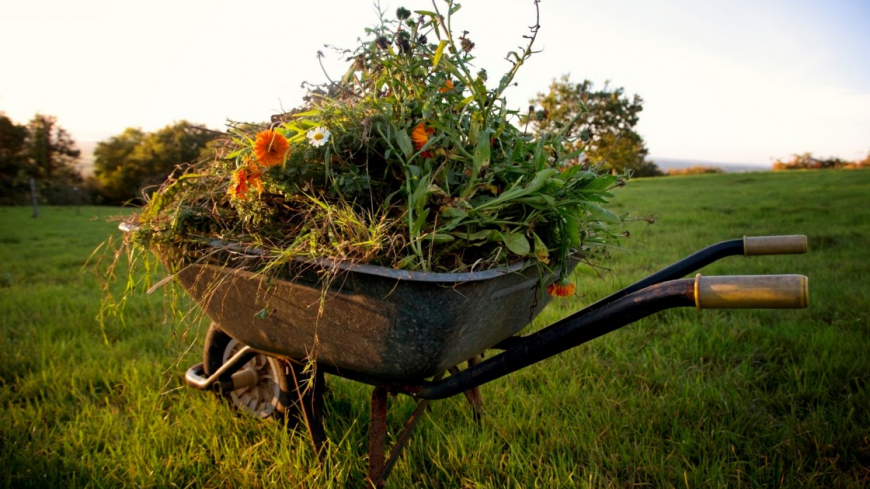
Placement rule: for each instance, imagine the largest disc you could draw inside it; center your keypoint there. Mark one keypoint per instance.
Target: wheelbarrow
(406, 332)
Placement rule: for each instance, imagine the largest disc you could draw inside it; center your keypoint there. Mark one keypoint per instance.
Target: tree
(53, 159)
(13, 159)
(134, 160)
(41, 150)
(53, 154)
(606, 127)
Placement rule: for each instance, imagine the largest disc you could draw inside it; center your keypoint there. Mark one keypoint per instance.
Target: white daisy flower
(318, 136)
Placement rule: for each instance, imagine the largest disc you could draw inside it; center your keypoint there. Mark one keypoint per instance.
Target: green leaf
(516, 192)
(598, 213)
(572, 226)
(420, 221)
(487, 234)
(404, 142)
(450, 212)
(439, 52)
(517, 243)
(482, 153)
(438, 238)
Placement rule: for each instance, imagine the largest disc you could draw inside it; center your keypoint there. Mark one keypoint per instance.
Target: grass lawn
(683, 398)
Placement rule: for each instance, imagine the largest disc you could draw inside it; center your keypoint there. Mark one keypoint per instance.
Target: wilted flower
(318, 136)
(254, 177)
(270, 147)
(402, 13)
(561, 288)
(466, 43)
(239, 185)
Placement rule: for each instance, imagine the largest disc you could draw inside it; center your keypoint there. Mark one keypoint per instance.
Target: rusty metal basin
(387, 323)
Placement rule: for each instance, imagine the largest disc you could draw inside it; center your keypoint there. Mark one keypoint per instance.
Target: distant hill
(667, 163)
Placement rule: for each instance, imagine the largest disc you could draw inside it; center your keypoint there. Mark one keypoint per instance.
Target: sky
(734, 81)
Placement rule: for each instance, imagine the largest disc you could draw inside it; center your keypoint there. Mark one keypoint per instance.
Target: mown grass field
(682, 399)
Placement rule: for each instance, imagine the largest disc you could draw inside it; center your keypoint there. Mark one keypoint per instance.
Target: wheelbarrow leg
(377, 436)
(311, 404)
(378, 469)
(473, 394)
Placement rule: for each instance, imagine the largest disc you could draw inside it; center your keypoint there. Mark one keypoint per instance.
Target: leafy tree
(42, 150)
(53, 158)
(52, 151)
(134, 160)
(605, 126)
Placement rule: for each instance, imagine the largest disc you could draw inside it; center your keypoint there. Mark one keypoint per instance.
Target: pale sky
(734, 81)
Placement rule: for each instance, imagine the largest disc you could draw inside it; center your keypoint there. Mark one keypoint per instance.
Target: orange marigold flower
(420, 135)
(448, 85)
(239, 185)
(561, 288)
(270, 147)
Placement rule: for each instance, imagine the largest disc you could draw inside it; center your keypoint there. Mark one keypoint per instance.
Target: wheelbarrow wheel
(270, 397)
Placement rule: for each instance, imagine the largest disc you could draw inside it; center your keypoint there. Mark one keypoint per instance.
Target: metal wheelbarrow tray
(406, 333)
(381, 322)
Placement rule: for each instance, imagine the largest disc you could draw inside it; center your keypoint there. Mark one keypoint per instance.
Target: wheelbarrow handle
(775, 245)
(748, 246)
(752, 292)
(763, 291)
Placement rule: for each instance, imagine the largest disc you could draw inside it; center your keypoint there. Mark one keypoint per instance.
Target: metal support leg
(378, 469)
(311, 404)
(401, 442)
(377, 436)
(473, 394)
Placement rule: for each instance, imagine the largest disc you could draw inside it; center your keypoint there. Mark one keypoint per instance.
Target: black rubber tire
(272, 396)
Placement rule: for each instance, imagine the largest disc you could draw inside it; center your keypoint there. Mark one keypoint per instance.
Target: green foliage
(134, 160)
(44, 151)
(604, 127)
(414, 143)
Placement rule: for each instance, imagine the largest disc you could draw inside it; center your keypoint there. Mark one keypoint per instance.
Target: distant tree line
(694, 170)
(131, 164)
(806, 161)
(126, 166)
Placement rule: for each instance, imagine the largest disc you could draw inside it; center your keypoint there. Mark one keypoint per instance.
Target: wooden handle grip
(774, 245)
(752, 292)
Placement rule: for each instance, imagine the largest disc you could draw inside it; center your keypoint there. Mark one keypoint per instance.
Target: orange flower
(420, 135)
(254, 177)
(270, 147)
(448, 85)
(561, 288)
(239, 185)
